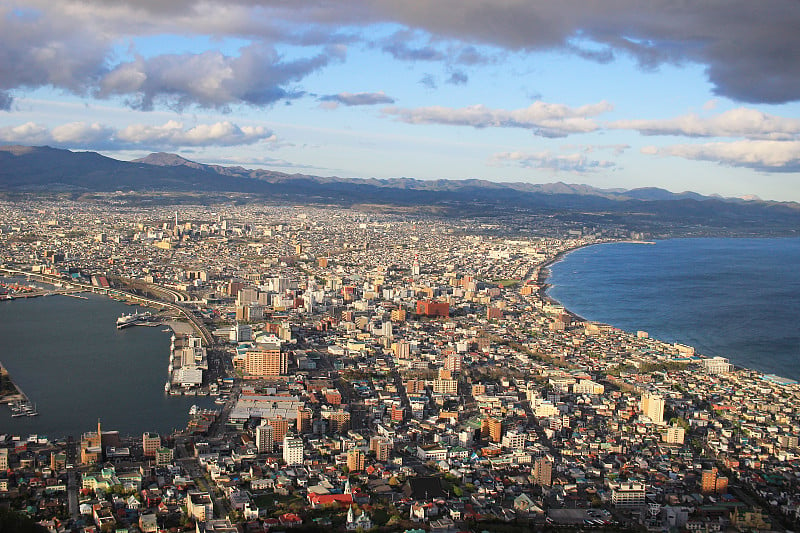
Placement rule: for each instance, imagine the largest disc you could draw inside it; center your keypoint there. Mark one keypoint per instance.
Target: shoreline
(543, 273)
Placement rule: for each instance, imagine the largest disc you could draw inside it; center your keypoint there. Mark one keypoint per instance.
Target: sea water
(68, 357)
(735, 298)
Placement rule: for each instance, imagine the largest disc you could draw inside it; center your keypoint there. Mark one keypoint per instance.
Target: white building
(717, 365)
(292, 450)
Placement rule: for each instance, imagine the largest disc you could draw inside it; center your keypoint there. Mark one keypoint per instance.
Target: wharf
(12, 395)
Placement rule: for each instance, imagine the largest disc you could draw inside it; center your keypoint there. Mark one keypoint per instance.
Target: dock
(12, 395)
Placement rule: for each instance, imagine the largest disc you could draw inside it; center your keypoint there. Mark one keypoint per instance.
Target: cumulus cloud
(741, 122)
(763, 155)
(575, 162)
(257, 77)
(544, 119)
(29, 133)
(69, 44)
(356, 99)
(171, 135)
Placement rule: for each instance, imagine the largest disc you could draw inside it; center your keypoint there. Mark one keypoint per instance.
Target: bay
(735, 298)
(70, 360)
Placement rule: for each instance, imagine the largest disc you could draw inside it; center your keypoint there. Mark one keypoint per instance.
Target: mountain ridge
(46, 169)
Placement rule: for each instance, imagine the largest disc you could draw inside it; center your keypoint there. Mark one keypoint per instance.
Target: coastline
(541, 280)
(543, 272)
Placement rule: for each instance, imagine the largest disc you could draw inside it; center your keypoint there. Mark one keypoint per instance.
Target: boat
(132, 319)
(166, 386)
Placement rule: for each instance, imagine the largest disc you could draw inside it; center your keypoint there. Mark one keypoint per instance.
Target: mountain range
(46, 169)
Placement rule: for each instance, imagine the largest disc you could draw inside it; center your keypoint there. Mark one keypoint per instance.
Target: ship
(133, 319)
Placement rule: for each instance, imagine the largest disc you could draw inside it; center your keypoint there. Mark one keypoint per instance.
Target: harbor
(80, 367)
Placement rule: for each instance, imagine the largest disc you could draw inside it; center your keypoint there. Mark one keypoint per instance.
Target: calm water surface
(737, 298)
(68, 357)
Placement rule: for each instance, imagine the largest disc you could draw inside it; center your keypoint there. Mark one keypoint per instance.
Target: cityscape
(370, 369)
(430, 266)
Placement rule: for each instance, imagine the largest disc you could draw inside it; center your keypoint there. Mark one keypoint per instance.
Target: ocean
(68, 357)
(735, 298)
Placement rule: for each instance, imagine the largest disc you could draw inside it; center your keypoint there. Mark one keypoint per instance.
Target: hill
(25, 168)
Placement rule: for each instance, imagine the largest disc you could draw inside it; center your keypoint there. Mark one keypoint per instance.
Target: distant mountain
(26, 168)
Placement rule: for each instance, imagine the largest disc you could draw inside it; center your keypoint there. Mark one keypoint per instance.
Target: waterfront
(72, 362)
(737, 298)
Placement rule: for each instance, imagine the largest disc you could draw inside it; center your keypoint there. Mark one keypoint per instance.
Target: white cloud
(767, 156)
(29, 133)
(740, 122)
(544, 119)
(574, 162)
(169, 136)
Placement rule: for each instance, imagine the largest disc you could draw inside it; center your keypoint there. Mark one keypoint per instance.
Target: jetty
(13, 396)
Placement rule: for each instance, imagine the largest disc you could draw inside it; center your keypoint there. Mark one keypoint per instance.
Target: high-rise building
(280, 427)
(265, 438)
(292, 450)
(712, 483)
(355, 460)
(382, 448)
(495, 429)
(150, 444)
(265, 360)
(543, 471)
(304, 416)
(339, 420)
(652, 406)
(454, 362)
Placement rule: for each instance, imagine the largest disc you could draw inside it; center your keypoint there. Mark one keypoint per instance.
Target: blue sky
(604, 94)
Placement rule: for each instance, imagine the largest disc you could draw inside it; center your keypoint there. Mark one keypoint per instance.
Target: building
(164, 456)
(717, 365)
(628, 495)
(304, 416)
(674, 435)
(712, 483)
(433, 309)
(382, 448)
(361, 522)
(543, 471)
(265, 360)
(514, 440)
(280, 427)
(292, 450)
(494, 428)
(92, 446)
(454, 362)
(445, 386)
(4, 459)
(339, 420)
(150, 444)
(355, 460)
(265, 438)
(199, 506)
(652, 406)
(401, 349)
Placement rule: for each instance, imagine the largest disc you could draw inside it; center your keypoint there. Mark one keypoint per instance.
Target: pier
(13, 396)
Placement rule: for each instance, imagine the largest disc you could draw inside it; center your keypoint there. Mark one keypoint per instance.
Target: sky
(699, 96)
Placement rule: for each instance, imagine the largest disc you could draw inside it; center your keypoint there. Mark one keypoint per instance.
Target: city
(386, 370)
